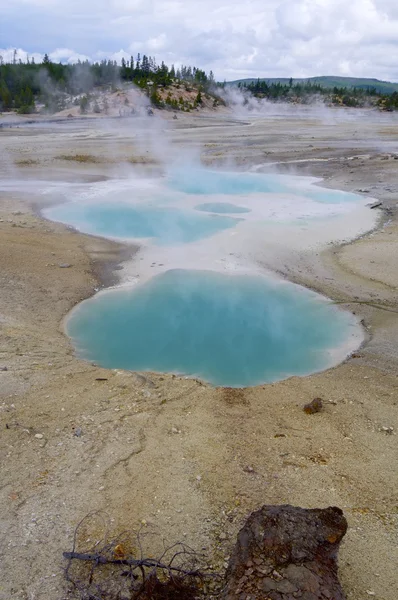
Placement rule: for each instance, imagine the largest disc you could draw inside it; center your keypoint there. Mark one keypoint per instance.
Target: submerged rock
(285, 552)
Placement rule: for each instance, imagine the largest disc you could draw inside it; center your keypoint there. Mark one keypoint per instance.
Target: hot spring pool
(229, 330)
(119, 220)
(202, 306)
(207, 182)
(169, 210)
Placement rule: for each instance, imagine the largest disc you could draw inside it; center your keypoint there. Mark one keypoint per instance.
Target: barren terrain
(172, 454)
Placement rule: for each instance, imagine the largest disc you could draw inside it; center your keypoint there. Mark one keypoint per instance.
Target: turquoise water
(123, 221)
(222, 207)
(201, 181)
(228, 330)
(163, 211)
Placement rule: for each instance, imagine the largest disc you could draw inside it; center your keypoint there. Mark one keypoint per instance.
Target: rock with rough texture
(313, 407)
(284, 553)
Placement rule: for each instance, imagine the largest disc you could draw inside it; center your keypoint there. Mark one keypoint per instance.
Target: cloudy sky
(234, 38)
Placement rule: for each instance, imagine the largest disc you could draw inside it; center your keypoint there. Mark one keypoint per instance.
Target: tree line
(305, 92)
(23, 84)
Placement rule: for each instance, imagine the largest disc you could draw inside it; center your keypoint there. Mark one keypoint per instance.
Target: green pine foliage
(84, 103)
(199, 99)
(389, 102)
(22, 85)
(303, 92)
(382, 87)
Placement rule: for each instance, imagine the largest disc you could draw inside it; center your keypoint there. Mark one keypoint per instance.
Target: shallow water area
(119, 220)
(221, 207)
(207, 182)
(167, 210)
(229, 330)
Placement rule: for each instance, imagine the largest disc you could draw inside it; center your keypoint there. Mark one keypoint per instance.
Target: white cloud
(158, 43)
(231, 37)
(66, 55)
(117, 56)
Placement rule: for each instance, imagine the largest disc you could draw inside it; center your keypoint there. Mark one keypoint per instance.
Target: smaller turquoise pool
(206, 182)
(222, 207)
(168, 210)
(125, 221)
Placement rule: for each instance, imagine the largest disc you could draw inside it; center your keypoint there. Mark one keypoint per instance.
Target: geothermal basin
(197, 299)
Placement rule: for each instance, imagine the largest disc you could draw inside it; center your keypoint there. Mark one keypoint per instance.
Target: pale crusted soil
(171, 454)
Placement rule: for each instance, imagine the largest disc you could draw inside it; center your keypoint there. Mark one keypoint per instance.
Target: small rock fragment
(388, 430)
(3, 368)
(248, 469)
(64, 265)
(313, 407)
(39, 436)
(78, 432)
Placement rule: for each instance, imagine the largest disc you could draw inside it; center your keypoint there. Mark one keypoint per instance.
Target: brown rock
(295, 550)
(314, 406)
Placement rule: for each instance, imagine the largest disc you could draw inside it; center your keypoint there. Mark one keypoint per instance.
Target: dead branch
(113, 571)
(151, 563)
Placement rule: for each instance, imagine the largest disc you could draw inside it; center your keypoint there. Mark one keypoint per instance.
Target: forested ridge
(305, 92)
(27, 86)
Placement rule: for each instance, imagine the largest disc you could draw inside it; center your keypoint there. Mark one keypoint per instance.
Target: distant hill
(382, 87)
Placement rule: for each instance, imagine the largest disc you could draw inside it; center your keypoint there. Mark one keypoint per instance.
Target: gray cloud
(235, 39)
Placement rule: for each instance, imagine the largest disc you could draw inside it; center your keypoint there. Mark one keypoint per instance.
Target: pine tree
(5, 97)
(83, 104)
(145, 66)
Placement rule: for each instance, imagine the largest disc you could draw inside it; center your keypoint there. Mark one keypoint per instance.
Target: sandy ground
(170, 454)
